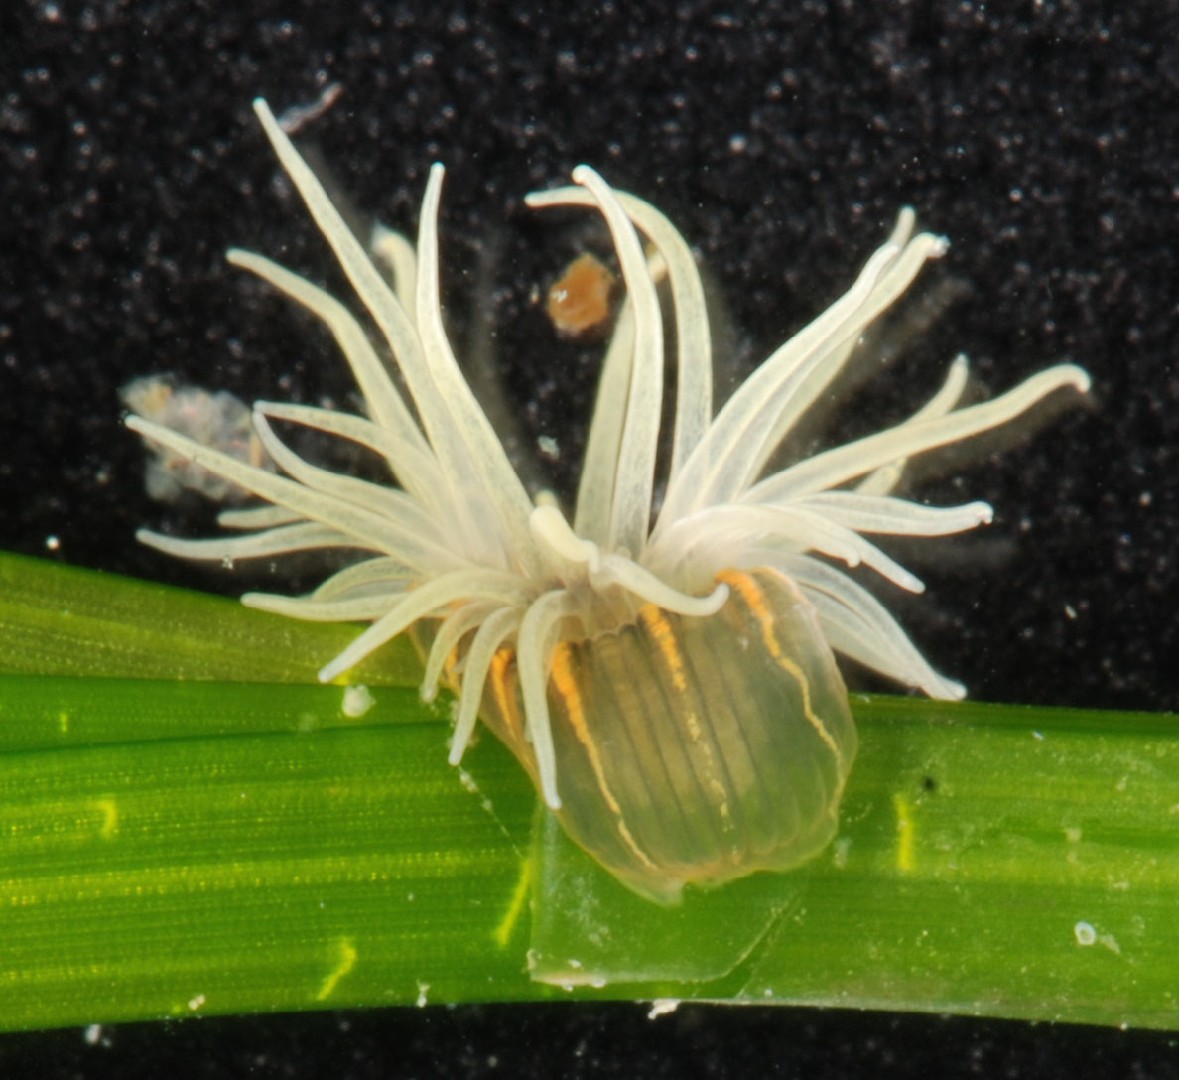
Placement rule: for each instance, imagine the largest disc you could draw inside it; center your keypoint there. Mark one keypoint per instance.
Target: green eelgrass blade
(992, 860)
(252, 873)
(60, 620)
(173, 848)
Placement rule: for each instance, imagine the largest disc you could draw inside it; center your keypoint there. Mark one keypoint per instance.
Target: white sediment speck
(357, 701)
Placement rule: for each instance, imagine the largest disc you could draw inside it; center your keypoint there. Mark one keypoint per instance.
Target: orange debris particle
(579, 303)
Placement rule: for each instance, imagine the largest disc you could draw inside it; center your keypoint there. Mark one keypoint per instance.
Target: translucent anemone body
(667, 679)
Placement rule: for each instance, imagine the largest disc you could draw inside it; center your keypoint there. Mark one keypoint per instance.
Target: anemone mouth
(458, 543)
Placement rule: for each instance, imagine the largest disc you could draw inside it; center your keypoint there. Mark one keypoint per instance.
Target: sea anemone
(665, 673)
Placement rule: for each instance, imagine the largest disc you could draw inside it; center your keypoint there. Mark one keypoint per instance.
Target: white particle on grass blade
(662, 1007)
(357, 701)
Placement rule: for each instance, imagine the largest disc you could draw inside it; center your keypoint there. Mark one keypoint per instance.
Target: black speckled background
(781, 138)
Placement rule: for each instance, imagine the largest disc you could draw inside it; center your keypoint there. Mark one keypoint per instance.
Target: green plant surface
(239, 844)
(59, 620)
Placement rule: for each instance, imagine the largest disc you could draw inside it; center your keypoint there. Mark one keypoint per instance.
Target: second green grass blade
(1035, 877)
(250, 874)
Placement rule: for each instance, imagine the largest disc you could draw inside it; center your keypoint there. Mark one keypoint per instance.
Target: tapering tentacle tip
(1081, 380)
(950, 690)
(584, 175)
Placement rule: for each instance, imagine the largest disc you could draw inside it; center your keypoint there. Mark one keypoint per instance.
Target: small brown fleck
(579, 303)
